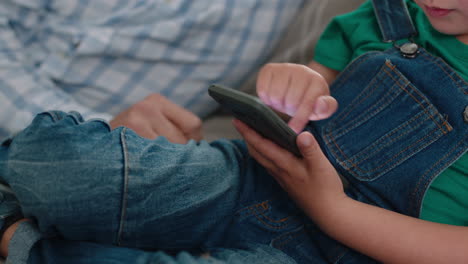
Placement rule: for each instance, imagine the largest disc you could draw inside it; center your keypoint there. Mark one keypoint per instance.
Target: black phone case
(250, 110)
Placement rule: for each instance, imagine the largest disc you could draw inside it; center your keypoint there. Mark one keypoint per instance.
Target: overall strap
(394, 19)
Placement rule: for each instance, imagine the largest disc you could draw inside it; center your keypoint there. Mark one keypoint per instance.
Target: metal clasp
(408, 50)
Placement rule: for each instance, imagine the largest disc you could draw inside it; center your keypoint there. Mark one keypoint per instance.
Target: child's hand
(296, 90)
(311, 181)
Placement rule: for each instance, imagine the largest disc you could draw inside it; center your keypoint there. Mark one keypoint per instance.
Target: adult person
(393, 139)
(140, 64)
(102, 57)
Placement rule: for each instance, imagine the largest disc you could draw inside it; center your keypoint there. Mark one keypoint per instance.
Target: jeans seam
(430, 105)
(427, 108)
(372, 87)
(330, 139)
(437, 62)
(339, 129)
(259, 214)
(123, 212)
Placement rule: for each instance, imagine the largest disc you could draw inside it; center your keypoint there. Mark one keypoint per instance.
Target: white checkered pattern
(100, 56)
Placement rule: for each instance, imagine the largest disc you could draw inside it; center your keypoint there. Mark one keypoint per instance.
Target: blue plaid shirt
(100, 57)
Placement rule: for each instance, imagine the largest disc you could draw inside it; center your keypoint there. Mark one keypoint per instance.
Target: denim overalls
(400, 123)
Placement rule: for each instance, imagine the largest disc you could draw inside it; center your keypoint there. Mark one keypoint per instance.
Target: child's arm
(391, 237)
(381, 234)
(328, 74)
(297, 90)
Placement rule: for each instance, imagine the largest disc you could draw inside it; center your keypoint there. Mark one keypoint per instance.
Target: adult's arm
(157, 116)
(25, 91)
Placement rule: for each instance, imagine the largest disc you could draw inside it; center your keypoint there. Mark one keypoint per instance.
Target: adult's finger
(323, 107)
(135, 121)
(162, 126)
(185, 121)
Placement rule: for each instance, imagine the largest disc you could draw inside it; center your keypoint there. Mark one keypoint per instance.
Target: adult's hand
(157, 116)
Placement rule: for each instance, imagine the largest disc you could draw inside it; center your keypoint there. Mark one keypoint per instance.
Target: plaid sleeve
(25, 92)
(102, 56)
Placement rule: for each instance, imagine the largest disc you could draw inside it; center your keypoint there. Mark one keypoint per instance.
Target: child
(401, 122)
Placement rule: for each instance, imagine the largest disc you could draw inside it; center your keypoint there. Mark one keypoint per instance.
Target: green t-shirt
(351, 35)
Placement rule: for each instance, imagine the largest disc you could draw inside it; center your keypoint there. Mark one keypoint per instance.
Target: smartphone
(253, 112)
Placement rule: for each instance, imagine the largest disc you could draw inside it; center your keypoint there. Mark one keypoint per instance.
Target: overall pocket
(388, 122)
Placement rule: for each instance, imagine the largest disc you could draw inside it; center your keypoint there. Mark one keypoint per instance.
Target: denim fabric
(80, 181)
(116, 188)
(59, 252)
(24, 239)
(395, 131)
(394, 20)
(9, 204)
(416, 123)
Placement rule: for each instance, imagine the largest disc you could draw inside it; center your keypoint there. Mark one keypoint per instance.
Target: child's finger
(298, 88)
(323, 108)
(264, 80)
(250, 136)
(266, 148)
(279, 86)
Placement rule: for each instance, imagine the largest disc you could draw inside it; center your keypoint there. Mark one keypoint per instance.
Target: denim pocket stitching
(439, 62)
(429, 104)
(358, 100)
(381, 104)
(394, 159)
(251, 209)
(258, 211)
(282, 223)
(361, 156)
(426, 108)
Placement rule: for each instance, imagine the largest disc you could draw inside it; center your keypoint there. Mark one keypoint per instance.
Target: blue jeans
(59, 252)
(82, 182)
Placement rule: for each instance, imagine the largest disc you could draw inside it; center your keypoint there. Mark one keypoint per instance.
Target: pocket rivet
(465, 114)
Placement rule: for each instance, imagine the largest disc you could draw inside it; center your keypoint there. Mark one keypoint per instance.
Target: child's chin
(448, 28)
